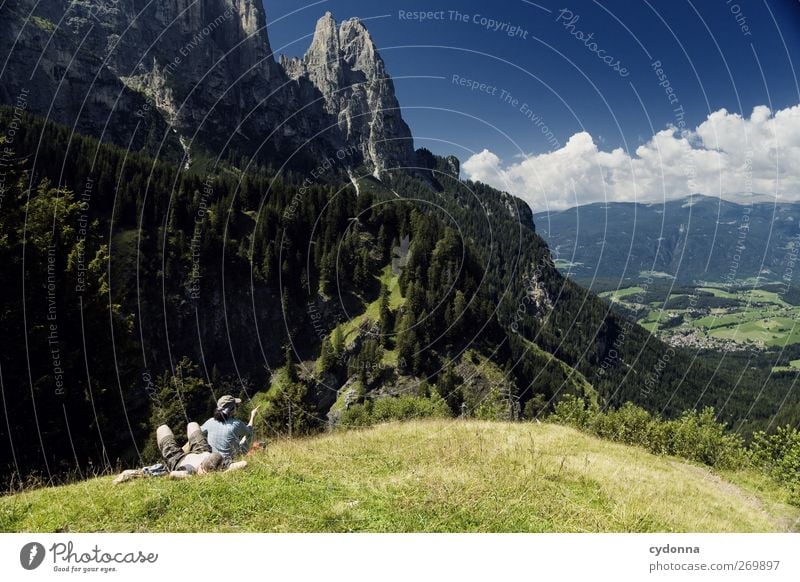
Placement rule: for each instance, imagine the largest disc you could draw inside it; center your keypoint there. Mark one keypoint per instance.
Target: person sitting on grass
(227, 435)
(179, 463)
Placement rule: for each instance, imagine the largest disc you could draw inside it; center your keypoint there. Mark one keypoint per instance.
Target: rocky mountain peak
(322, 62)
(203, 74)
(336, 51)
(344, 66)
(325, 41)
(358, 50)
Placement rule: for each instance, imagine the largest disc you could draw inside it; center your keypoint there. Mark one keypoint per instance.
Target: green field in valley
(715, 317)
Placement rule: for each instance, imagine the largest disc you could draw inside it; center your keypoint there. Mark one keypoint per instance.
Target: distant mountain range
(697, 238)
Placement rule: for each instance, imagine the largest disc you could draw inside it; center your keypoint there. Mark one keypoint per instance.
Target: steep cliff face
(343, 64)
(201, 73)
(60, 63)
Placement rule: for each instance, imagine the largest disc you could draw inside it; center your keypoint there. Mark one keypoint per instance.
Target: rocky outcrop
(453, 166)
(186, 74)
(66, 76)
(343, 64)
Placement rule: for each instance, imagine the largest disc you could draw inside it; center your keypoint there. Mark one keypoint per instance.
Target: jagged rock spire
(343, 64)
(204, 70)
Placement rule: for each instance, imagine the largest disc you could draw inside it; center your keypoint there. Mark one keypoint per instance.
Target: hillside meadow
(424, 476)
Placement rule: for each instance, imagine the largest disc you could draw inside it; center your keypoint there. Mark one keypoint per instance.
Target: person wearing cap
(227, 435)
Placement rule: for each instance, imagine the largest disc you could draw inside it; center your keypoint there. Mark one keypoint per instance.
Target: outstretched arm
(253, 416)
(245, 433)
(238, 466)
(128, 475)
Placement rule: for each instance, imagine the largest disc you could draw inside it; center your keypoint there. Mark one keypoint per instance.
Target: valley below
(715, 317)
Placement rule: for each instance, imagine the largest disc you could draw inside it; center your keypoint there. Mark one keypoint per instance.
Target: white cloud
(726, 155)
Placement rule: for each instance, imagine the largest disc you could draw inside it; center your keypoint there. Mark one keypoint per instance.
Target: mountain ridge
(202, 79)
(345, 67)
(697, 238)
(248, 301)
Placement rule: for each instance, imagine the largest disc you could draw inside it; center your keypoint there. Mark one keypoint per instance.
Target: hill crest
(432, 476)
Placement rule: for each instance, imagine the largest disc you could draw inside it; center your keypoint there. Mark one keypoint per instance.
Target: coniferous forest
(135, 292)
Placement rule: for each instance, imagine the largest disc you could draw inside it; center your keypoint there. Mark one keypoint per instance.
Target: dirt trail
(785, 522)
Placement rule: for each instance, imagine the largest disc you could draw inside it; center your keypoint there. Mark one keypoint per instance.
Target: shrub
(574, 411)
(493, 407)
(285, 407)
(779, 455)
(535, 407)
(630, 424)
(699, 437)
(694, 436)
(358, 415)
(661, 437)
(408, 407)
(395, 408)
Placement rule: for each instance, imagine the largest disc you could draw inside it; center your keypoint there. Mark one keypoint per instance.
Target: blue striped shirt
(230, 438)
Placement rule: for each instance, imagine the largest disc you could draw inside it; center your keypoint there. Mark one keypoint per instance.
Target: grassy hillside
(424, 476)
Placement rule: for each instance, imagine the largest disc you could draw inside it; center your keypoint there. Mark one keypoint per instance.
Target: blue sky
(714, 54)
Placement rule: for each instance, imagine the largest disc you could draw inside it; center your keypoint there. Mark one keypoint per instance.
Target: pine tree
(338, 342)
(416, 297)
(449, 388)
(417, 358)
(286, 410)
(459, 308)
(386, 323)
(327, 274)
(406, 341)
(368, 362)
(327, 358)
(383, 243)
(288, 358)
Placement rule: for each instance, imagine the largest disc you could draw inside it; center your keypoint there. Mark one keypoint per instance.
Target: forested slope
(136, 292)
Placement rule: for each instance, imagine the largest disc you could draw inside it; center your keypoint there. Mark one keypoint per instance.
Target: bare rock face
(453, 166)
(343, 64)
(66, 74)
(178, 75)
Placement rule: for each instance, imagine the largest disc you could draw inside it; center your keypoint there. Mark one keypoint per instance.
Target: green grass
(621, 293)
(392, 283)
(719, 292)
(752, 325)
(715, 321)
(43, 23)
(439, 476)
(763, 296)
(372, 310)
(776, 331)
(759, 316)
(794, 366)
(564, 264)
(656, 274)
